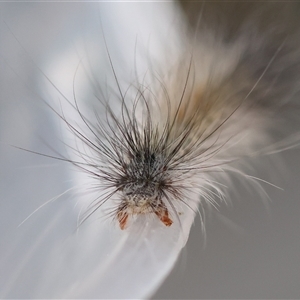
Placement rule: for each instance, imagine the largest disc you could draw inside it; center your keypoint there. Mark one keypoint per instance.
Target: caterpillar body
(210, 106)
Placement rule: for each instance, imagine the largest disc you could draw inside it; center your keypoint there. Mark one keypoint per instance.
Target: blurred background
(251, 251)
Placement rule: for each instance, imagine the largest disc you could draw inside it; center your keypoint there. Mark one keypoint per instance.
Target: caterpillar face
(143, 186)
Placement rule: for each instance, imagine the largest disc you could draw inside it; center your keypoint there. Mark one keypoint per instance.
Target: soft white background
(251, 252)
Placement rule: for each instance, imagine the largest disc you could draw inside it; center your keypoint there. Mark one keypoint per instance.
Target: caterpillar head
(142, 187)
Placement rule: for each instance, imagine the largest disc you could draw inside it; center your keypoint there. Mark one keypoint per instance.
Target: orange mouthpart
(163, 215)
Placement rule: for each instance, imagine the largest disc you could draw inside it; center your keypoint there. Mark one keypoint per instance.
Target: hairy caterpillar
(183, 122)
(187, 123)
